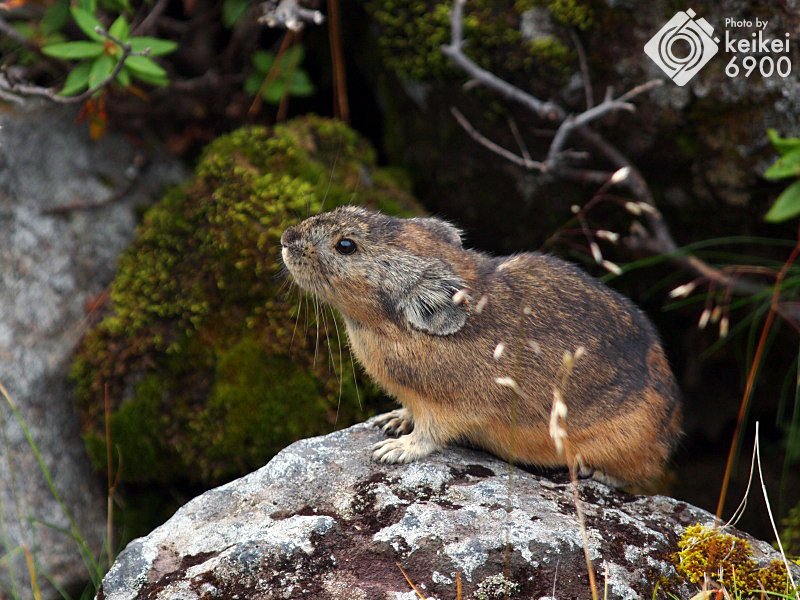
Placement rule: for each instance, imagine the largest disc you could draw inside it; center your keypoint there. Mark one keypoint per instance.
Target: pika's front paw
(396, 422)
(405, 449)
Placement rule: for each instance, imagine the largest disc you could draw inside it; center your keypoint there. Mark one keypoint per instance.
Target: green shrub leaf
(157, 47)
(87, 22)
(124, 77)
(786, 206)
(141, 65)
(101, 68)
(55, 17)
(786, 166)
(782, 145)
(120, 29)
(74, 50)
(77, 80)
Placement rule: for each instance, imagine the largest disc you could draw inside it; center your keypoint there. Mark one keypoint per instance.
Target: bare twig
(289, 14)
(147, 24)
(454, 51)
(7, 30)
(523, 148)
(584, 66)
(522, 161)
(8, 87)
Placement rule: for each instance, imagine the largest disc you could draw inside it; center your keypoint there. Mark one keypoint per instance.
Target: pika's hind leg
(396, 422)
(407, 448)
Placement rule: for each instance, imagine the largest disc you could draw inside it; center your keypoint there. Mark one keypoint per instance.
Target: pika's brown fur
(425, 316)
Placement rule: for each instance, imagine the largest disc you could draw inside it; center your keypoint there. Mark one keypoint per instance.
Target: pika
(440, 327)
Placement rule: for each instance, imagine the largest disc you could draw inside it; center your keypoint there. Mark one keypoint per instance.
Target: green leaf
(782, 145)
(55, 17)
(786, 166)
(87, 22)
(141, 65)
(101, 68)
(274, 91)
(262, 60)
(151, 79)
(77, 80)
(157, 47)
(74, 50)
(120, 29)
(90, 6)
(124, 77)
(300, 84)
(786, 206)
(232, 11)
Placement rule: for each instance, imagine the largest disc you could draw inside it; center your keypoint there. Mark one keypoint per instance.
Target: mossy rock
(412, 33)
(211, 360)
(705, 552)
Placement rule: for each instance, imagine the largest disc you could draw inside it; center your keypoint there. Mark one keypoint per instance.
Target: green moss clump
(569, 12)
(413, 32)
(212, 361)
(728, 560)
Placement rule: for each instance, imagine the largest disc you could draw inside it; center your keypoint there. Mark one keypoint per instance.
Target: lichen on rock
(323, 520)
(213, 362)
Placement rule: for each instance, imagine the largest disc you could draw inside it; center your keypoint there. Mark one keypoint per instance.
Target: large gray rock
(323, 521)
(50, 267)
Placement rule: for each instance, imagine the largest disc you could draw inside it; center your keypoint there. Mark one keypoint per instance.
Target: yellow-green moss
(412, 33)
(212, 363)
(728, 560)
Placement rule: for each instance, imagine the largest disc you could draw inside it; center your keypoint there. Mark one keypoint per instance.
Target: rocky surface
(51, 266)
(323, 521)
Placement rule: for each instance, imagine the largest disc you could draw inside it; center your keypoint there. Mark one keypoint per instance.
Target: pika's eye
(346, 246)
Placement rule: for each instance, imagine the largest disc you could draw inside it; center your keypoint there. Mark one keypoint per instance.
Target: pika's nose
(291, 234)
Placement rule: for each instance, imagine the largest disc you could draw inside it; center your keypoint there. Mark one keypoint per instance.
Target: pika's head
(374, 267)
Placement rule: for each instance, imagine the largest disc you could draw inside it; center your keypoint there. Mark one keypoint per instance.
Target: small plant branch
(455, 52)
(523, 161)
(7, 30)
(289, 15)
(9, 87)
(146, 26)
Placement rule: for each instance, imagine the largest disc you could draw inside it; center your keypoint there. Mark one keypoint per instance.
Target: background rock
(51, 266)
(323, 521)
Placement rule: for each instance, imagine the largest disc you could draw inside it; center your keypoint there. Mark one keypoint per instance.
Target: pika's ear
(445, 231)
(429, 306)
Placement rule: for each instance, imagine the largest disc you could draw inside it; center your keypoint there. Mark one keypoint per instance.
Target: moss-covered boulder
(212, 362)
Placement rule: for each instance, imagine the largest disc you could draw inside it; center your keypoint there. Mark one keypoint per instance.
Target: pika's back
(439, 326)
